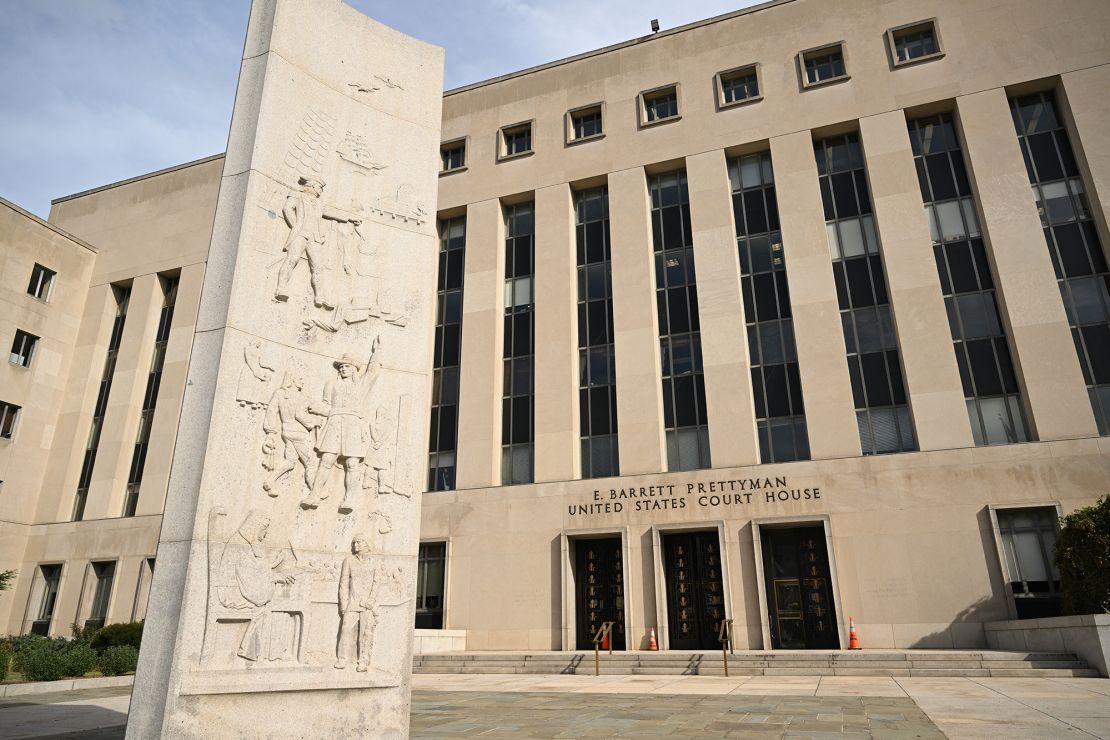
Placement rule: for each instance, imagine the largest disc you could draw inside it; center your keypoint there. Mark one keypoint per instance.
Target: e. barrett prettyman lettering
(732, 492)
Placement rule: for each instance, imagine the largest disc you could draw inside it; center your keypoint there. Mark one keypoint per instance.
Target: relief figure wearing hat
(344, 434)
(305, 212)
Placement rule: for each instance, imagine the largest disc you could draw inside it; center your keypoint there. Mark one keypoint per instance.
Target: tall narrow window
(1073, 243)
(104, 574)
(776, 384)
(982, 354)
(597, 379)
(517, 402)
(122, 296)
(430, 571)
(882, 415)
(150, 396)
(445, 362)
(1029, 543)
(51, 576)
(676, 293)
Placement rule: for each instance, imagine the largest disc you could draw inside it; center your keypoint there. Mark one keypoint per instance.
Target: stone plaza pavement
(530, 706)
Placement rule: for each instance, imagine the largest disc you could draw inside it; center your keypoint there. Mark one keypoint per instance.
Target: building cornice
(46, 224)
(618, 46)
(137, 178)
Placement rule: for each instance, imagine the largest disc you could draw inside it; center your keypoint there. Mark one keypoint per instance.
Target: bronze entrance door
(695, 595)
(799, 589)
(599, 579)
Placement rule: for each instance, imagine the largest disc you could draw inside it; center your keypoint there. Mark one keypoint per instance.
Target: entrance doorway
(599, 579)
(695, 594)
(799, 589)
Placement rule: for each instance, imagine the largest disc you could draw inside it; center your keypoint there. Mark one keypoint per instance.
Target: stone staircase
(970, 663)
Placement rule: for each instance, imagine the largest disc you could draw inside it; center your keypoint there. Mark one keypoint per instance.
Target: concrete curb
(69, 684)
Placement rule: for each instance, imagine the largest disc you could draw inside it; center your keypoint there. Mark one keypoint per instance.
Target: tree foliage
(1083, 558)
(6, 578)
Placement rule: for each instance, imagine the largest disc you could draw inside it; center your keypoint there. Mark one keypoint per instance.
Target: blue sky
(101, 90)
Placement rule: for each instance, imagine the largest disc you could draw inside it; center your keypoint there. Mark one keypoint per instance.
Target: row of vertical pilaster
(1051, 381)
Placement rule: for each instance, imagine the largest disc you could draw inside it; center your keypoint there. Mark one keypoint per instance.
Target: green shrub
(118, 660)
(48, 659)
(78, 659)
(5, 658)
(23, 644)
(83, 634)
(124, 633)
(42, 663)
(1083, 558)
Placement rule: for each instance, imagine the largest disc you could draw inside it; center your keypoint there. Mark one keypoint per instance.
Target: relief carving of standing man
(305, 212)
(356, 605)
(289, 427)
(345, 432)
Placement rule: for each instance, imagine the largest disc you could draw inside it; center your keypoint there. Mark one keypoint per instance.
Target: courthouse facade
(791, 315)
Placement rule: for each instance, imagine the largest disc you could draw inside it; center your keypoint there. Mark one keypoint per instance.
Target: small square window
(915, 42)
(585, 123)
(42, 283)
(9, 413)
(515, 140)
(736, 86)
(823, 65)
(659, 105)
(452, 155)
(22, 348)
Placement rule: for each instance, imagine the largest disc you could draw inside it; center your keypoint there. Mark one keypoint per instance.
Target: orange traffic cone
(652, 644)
(853, 639)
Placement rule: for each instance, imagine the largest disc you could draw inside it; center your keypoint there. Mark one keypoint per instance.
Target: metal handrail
(606, 629)
(724, 636)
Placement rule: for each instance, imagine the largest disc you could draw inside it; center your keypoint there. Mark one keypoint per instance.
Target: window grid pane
(825, 66)
(430, 577)
(587, 123)
(684, 408)
(873, 358)
(982, 351)
(122, 296)
(518, 140)
(104, 573)
(597, 387)
(454, 157)
(518, 396)
(1072, 240)
(739, 86)
(42, 282)
(1028, 539)
(150, 397)
(661, 105)
(8, 414)
(447, 353)
(23, 347)
(776, 383)
(914, 44)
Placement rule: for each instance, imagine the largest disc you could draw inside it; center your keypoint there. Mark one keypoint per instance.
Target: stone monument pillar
(283, 598)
